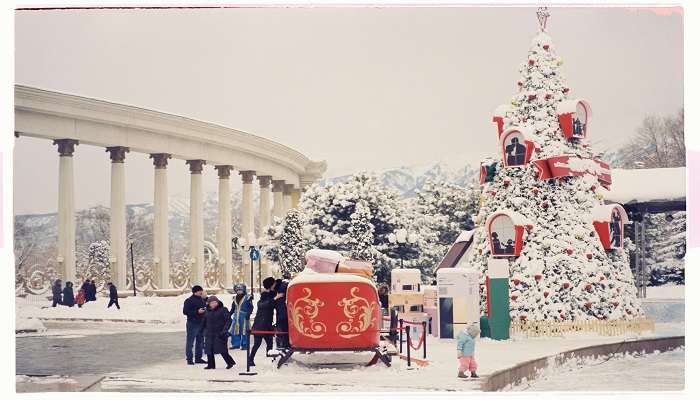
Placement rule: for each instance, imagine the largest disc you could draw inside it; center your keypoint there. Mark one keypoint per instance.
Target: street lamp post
(133, 271)
(254, 255)
(402, 238)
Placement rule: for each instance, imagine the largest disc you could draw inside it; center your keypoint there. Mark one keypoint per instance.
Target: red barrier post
(425, 341)
(408, 345)
(401, 336)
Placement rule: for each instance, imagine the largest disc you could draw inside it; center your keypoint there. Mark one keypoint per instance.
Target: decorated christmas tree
(542, 204)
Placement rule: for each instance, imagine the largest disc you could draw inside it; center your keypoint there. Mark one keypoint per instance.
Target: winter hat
(268, 282)
(196, 288)
(473, 331)
(213, 298)
(241, 287)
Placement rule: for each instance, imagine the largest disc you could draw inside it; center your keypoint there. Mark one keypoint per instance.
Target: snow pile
(640, 185)
(164, 310)
(666, 292)
(28, 325)
(44, 380)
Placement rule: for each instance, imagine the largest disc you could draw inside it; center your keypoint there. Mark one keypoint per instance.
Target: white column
(117, 219)
(161, 239)
(264, 202)
(288, 187)
(278, 198)
(224, 230)
(196, 223)
(247, 207)
(66, 209)
(295, 197)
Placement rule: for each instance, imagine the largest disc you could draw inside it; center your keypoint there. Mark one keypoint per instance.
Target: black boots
(474, 375)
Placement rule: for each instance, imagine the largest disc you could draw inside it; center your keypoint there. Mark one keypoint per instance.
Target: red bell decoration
(565, 285)
(569, 251)
(589, 256)
(516, 281)
(538, 277)
(546, 47)
(546, 294)
(514, 297)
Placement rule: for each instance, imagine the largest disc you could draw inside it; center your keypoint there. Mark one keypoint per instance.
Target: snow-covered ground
(29, 325)
(666, 292)
(652, 372)
(300, 374)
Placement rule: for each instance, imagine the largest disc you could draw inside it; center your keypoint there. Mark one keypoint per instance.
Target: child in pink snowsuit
(466, 341)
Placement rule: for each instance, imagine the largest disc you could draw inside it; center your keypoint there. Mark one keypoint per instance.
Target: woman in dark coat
(217, 322)
(68, 298)
(56, 293)
(263, 318)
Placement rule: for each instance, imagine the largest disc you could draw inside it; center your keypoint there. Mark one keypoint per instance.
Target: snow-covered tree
(361, 233)
(665, 239)
(562, 272)
(453, 206)
(292, 246)
(96, 263)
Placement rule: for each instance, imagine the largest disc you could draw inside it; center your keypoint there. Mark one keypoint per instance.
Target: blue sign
(254, 254)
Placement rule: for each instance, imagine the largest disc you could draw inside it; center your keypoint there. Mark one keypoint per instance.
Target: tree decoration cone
(559, 209)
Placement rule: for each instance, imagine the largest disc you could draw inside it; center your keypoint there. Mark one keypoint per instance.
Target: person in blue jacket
(241, 308)
(466, 341)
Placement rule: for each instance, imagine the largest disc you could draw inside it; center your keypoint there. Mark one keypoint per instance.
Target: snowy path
(658, 372)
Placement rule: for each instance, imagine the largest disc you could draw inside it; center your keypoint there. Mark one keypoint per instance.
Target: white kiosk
(458, 300)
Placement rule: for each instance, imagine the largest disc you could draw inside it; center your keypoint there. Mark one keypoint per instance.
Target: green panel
(499, 320)
(484, 327)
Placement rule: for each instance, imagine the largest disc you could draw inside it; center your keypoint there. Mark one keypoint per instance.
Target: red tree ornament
(538, 277)
(589, 287)
(520, 83)
(506, 182)
(514, 297)
(531, 97)
(569, 251)
(565, 285)
(588, 305)
(589, 256)
(544, 205)
(531, 61)
(565, 90)
(546, 47)
(546, 294)
(535, 191)
(516, 281)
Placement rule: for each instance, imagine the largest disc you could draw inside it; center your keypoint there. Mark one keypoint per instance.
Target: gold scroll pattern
(360, 314)
(304, 311)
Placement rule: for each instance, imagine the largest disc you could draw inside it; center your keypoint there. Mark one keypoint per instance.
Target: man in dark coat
(68, 298)
(281, 320)
(93, 291)
(85, 287)
(113, 296)
(263, 318)
(194, 308)
(217, 322)
(56, 293)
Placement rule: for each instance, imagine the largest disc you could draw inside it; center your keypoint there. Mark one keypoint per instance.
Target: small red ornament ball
(615, 303)
(546, 47)
(538, 277)
(516, 281)
(589, 287)
(546, 294)
(569, 251)
(565, 90)
(531, 97)
(531, 62)
(520, 83)
(535, 190)
(565, 285)
(589, 256)
(514, 297)
(593, 188)
(628, 312)
(545, 205)
(506, 182)
(588, 305)
(523, 317)
(547, 96)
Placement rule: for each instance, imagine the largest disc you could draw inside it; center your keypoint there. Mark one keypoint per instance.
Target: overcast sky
(363, 88)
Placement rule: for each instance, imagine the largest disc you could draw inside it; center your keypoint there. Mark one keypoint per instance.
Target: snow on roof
(405, 272)
(569, 106)
(517, 218)
(465, 236)
(603, 213)
(644, 185)
(501, 110)
(526, 131)
(309, 276)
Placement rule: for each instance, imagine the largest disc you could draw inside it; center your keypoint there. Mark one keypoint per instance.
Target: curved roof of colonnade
(55, 115)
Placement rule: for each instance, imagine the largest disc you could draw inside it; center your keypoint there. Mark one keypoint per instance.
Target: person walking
(56, 291)
(113, 296)
(263, 319)
(92, 292)
(281, 320)
(80, 298)
(194, 308)
(466, 341)
(217, 322)
(68, 299)
(241, 308)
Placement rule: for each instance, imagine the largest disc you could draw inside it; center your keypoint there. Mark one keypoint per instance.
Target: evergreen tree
(665, 239)
(292, 248)
(361, 233)
(562, 273)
